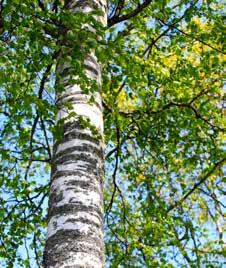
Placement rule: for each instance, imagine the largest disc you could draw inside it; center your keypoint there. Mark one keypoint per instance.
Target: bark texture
(75, 216)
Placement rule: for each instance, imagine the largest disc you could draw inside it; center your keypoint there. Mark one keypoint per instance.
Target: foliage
(163, 110)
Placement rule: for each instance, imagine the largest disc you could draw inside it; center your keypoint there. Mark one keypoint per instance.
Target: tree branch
(154, 41)
(139, 9)
(46, 138)
(196, 185)
(41, 5)
(115, 172)
(191, 36)
(189, 106)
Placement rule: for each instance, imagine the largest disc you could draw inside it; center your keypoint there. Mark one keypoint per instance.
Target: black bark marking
(72, 241)
(73, 209)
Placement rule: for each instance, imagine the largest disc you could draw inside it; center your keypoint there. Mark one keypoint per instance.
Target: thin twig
(200, 181)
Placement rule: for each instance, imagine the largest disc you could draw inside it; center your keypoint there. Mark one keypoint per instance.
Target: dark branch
(191, 36)
(41, 5)
(154, 41)
(44, 78)
(115, 172)
(189, 106)
(46, 138)
(197, 184)
(135, 12)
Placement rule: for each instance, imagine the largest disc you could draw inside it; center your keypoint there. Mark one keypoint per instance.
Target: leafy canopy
(162, 64)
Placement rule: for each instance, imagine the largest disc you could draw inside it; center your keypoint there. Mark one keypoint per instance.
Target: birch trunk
(75, 216)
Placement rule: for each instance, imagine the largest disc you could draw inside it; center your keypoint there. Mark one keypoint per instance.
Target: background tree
(163, 117)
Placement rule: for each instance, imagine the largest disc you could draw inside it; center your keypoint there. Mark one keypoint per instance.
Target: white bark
(75, 218)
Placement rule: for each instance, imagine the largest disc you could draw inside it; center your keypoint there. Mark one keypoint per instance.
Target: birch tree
(132, 86)
(75, 218)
